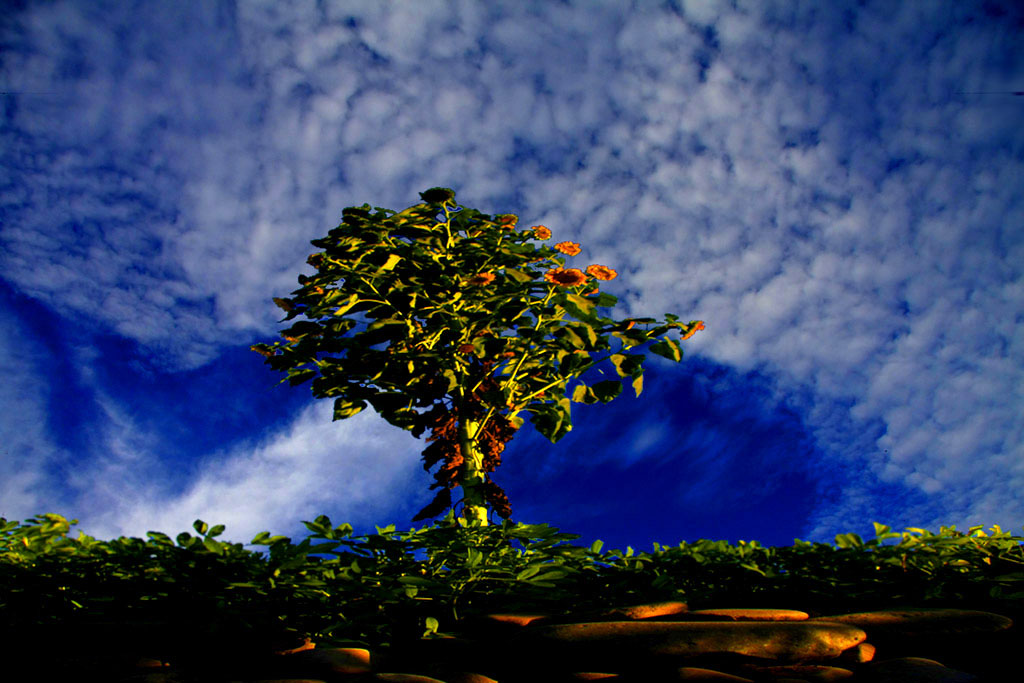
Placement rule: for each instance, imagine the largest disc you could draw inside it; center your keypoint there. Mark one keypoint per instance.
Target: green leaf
(571, 336)
(345, 408)
(200, 526)
(550, 575)
(596, 546)
(638, 384)
(579, 307)
(344, 308)
(668, 348)
(213, 546)
(518, 275)
(607, 390)
(628, 365)
(297, 377)
(584, 394)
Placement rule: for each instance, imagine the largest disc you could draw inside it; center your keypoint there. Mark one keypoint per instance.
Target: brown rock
(924, 622)
(731, 614)
(863, 652)
(406, 678)
(912, 670)
(693, 673)
(623, 642)
(648, 611)
(515, 619)
(466, 677)
(804, 672)
(336, 660)
(307, 644)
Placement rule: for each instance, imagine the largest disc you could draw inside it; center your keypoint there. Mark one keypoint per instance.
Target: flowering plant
(444, 318)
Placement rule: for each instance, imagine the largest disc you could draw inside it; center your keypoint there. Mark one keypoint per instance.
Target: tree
(444, 318)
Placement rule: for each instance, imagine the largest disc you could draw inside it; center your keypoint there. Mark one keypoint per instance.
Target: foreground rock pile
(652, 643)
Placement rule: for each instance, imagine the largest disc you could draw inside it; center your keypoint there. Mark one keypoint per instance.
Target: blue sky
(809, 179)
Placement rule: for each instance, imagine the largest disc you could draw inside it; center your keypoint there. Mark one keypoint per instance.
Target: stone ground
(651, 643)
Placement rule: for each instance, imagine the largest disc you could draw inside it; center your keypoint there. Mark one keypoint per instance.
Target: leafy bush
(394, 586)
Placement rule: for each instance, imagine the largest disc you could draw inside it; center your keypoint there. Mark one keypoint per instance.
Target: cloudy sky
(834, 188)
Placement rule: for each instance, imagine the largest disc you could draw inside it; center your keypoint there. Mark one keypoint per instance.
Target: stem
(471, 475)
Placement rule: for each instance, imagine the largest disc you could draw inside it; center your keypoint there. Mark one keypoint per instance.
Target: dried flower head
(602, 272)
(541, 231)
(566, 277)
(482, 279)
(466, 348)
(570, 248)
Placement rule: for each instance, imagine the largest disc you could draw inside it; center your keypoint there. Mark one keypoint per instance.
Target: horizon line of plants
(371, 590)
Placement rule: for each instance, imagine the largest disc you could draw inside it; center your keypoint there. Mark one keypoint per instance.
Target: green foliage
(395, 586)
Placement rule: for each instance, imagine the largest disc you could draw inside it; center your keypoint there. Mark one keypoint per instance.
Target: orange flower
(508, 220)
(570, 248)
(542, 232)
(602, 272)
(482, 279)
(693, 330)
(566, 277)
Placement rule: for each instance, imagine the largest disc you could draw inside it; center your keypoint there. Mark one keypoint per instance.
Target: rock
(693, 673)
(912, 670)
(466, 677)
(326, 661)
(803, 672)
(649, 610)
(747, 615)
(516, 619)
(623, 643)
(922, 622)
(863, 652)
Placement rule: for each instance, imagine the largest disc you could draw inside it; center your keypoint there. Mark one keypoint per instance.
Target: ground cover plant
(395, 586)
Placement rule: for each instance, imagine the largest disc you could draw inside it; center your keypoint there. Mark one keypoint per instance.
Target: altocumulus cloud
(808, 180)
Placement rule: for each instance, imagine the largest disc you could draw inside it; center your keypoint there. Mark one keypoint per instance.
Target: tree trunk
(471, 475)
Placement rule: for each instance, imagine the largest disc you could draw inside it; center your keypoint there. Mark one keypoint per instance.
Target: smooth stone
(913, 670)
(627, 641)
(759, 614)
(648, 610)
(696, 673)
(340, 660)
(805, 672)
(307, 644)
(516, 619)
(923, 622)
(863, 652)
(467, 677)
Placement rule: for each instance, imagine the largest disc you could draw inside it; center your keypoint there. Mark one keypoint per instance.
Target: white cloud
(27, 451)
(359, 471)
